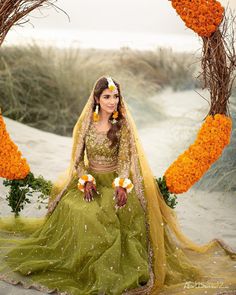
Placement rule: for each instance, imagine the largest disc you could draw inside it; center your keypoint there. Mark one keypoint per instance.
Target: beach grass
(47, 87)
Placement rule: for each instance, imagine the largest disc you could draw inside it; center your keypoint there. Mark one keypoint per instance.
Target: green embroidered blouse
(97, 148)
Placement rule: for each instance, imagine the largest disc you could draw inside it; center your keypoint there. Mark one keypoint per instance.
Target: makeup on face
(109, 99)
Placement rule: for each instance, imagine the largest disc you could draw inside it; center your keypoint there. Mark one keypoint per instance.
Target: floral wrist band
(83, 179)
(123, 182)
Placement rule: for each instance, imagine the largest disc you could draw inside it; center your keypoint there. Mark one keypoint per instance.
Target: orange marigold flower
(207, 14)
(192, 164)
(13, 166)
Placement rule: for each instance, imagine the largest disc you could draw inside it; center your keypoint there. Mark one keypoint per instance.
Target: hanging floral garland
(204, 17)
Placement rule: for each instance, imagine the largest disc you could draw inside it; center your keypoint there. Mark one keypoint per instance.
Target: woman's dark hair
(101, 85)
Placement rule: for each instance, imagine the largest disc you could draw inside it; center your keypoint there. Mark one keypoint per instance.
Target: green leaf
(22, 190)
(171, 200)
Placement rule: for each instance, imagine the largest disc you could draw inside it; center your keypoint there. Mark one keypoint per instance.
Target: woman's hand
(121, 196)
(88, 191)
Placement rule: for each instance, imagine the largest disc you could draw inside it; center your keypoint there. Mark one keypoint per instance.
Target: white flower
(126, 182)
(111, 84)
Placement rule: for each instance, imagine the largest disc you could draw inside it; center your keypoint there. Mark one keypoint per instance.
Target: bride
(108, 229)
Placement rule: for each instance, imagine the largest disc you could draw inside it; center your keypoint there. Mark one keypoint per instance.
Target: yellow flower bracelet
(123, 182)
(83, 179)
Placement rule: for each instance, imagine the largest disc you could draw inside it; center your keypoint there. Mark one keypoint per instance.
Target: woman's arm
(122, 183)
(79, 164)
(124, 161)
(87, 182)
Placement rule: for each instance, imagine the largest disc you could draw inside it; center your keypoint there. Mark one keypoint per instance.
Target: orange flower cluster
(95, 117)
(202, 16)
(115, 115)
(12, 165)
(189, 167)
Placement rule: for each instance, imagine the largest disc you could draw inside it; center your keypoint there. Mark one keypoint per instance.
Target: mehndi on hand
(120, 196)
(89, 187)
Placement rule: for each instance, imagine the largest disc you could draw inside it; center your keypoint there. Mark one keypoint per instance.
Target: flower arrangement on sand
(16, 172)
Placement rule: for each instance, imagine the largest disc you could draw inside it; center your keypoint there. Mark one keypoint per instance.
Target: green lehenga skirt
(82, 247)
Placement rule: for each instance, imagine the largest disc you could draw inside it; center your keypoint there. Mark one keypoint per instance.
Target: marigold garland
(95, 117)
(190, 166)
(202, 16)
(12, 165)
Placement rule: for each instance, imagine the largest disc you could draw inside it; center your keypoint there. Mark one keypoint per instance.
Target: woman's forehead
(107, 91)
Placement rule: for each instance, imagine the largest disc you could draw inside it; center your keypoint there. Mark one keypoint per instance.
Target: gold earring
(115, 114)
(95, 114)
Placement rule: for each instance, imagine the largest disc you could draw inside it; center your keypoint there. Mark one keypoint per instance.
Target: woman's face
(109, 100)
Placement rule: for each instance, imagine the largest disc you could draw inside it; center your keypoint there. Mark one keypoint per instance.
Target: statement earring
(95, 114)
(115, 116)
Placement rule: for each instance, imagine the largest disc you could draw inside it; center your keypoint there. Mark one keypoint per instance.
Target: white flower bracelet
(83, 179)
(123, 182)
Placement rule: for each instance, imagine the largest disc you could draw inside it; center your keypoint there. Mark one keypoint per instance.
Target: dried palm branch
(14, 12)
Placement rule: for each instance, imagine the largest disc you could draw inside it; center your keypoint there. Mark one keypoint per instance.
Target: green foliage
(22, 189)
(171, 200)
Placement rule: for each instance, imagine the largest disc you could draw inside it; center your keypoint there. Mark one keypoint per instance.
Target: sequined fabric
(101, 156)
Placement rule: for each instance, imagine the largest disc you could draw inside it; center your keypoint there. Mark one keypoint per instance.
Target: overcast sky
(135, 23)
(153, 16)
